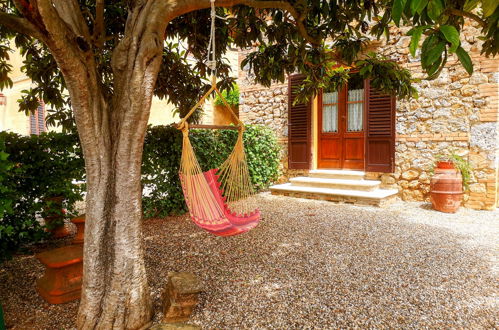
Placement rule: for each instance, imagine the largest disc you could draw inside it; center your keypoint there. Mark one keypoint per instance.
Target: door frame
(343, 123)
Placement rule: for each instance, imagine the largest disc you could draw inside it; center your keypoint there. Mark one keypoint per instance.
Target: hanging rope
(212, 62)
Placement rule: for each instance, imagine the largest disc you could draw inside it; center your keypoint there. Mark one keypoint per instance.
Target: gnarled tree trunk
(115, 293)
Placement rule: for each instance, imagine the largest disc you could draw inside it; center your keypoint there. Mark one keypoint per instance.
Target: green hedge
(34, 168)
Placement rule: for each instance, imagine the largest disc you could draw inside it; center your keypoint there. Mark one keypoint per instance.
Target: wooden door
(341, 118)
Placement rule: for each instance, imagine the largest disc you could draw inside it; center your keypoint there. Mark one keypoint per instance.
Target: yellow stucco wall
(10, 118)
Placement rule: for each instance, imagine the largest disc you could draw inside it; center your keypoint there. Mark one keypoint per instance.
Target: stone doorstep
(337, 174)
(341, 199)
(364, 185)
(377, 197)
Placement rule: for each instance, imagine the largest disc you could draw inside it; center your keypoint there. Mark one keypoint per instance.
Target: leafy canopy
(312, 37)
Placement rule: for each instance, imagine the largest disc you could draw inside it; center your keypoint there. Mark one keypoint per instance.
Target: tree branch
(298, 17)
(180, 8)
(20, 25)
(99, 31)
(457, 12)
(69, 11)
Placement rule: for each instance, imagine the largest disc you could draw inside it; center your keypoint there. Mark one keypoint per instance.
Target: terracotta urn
(446, 188)
(79, 222)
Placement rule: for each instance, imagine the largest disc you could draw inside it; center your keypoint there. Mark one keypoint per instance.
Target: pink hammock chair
(224, 223)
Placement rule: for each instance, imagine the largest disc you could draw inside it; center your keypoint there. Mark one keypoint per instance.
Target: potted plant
(451, 174)
(221, 115)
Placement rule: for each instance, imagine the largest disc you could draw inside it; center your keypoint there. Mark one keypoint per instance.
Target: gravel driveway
(313, 264)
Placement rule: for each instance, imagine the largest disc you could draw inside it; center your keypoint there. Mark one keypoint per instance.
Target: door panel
(341, 118)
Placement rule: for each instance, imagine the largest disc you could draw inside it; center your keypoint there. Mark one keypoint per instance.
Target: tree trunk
(115, 289)
(115, 293)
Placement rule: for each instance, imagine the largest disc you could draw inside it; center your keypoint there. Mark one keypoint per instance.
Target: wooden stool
(79, 221)
(61, 282)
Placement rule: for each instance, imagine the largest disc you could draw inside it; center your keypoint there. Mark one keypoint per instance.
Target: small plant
(231, 96)
(459, 163)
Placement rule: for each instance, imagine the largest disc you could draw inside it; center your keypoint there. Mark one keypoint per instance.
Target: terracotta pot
(79, 222)
(53, 220)
(445, 164)
(446, 190)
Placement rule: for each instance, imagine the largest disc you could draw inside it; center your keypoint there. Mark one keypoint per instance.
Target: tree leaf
(416, 36)
(469, 5)
(433, 54)
(435, 9)
(397, 9)
(417, 6)
(465, 59)
(452, 36)
(489, 7)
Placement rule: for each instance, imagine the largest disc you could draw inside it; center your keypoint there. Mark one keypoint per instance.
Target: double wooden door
(341, 132)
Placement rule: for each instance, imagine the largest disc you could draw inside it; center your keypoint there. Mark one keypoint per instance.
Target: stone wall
(454, 112)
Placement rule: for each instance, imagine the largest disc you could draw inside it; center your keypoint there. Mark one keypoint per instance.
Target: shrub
(43, 167)
(231, 96)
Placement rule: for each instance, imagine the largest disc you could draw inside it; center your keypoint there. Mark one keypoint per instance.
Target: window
(346, 104)
(355, 104)
(37, 120)
(330, 112)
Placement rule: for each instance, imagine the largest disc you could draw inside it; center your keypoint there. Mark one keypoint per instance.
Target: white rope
(212, 64)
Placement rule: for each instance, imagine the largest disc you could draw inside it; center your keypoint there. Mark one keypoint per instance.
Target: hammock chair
(209, 194)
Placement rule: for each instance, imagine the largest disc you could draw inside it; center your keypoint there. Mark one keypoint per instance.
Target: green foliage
(39, 168)
(5, 167)
(231, 96)
(160, 165)
(460, 163)
(282, 47)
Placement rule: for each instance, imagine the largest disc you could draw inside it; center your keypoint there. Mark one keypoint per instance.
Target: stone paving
(311, 264)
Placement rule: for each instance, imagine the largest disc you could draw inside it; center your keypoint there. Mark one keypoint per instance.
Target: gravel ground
(312, 264)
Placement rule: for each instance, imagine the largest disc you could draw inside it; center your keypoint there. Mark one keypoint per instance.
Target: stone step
(378, 197)
(337, 174)
(345, 184)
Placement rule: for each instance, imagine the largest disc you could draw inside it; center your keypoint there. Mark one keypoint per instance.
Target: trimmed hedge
(34, 168)
(37, 168)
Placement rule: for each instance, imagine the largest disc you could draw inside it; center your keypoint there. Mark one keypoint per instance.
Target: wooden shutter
(37, 120)
(380, 131)
(299, 127)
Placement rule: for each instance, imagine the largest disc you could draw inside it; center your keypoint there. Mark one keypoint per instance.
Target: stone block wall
(454, 112)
